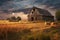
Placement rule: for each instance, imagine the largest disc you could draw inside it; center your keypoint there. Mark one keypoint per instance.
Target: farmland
(23, 24)
(23, 30)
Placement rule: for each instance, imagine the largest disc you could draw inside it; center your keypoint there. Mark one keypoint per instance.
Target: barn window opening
(32, 19)
(33, 9)
(32, 12)
(36, 18)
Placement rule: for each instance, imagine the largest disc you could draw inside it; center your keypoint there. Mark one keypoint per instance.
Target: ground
(21, 29)
(23, 24)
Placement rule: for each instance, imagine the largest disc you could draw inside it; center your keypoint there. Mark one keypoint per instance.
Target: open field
(23, 25)
(33, 26)
(24, 30)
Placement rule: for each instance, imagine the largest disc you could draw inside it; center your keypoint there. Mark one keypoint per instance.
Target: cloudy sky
(17, 4)
(10, 5)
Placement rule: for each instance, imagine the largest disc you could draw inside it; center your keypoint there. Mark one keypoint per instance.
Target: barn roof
(28, 10)
(42, 11)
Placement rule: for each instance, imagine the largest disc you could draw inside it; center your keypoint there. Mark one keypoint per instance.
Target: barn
(37, 14)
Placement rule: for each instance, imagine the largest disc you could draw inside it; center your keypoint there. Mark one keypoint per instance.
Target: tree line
(57, 14)
(14, 19)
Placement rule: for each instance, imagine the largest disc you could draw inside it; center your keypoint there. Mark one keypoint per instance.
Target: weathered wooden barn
(37, 14)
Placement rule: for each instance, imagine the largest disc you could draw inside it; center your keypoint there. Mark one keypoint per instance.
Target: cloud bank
(7, 6)
(18, 4)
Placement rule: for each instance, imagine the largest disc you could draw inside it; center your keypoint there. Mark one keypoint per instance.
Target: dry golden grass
(5, 24)
(16, 27)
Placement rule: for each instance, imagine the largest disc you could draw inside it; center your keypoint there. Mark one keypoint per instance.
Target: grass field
(23, 25)
(23, 30)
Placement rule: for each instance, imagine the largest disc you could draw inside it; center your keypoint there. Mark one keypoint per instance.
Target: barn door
(32, 18)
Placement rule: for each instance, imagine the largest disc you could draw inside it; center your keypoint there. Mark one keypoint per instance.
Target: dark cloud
(7, 6)
(3, 1)
(18, 4)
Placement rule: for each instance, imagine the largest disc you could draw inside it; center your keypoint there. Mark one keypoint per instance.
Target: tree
(13, 18)
(57, 14)
(18, 18)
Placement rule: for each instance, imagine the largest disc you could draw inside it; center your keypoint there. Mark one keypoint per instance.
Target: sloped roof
(41, 11)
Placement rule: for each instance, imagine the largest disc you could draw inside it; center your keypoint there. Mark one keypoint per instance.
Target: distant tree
(18, 18)
(57, 14)
(13, 18)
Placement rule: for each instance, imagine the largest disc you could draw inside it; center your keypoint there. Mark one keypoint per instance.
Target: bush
(14, 19)
(18, 18)
(57, 14)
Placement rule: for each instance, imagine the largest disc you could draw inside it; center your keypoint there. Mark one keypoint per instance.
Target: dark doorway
(32, 19)
(36, 18)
